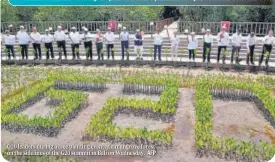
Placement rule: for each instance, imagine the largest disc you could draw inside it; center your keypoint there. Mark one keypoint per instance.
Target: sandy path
(40, 109)
(236, 119)
(124, 120)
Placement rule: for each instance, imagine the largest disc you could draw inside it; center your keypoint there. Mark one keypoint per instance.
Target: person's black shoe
(47, 58)
(159, 59)
(252, 63)
(73, 58)
(40, 58)
(35, 58)
(59, 58)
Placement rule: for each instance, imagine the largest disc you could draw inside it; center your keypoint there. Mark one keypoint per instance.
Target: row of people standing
(61, 37)
(223, 43)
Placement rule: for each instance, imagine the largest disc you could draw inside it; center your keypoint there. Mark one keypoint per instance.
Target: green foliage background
(138, 13)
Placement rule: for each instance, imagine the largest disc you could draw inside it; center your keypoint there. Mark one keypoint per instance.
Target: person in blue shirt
(138, 42)
(24, 40)
(124, 38)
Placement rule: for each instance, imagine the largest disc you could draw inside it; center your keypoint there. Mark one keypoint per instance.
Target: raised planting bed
(102, 128)
(226, 147)
(67, 105)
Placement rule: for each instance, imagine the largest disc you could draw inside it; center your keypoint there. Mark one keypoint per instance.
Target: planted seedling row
(41, 130)
(82, 86)
(232, 94)
(142, 88)
(228, 148)
(146, 113)
(27, 103)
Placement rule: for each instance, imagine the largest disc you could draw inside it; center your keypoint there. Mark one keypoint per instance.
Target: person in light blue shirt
(124, 38)
(24, 40)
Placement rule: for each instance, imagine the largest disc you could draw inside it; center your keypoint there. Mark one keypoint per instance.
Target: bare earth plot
(183, 142)
(38, 109)
(236, 119)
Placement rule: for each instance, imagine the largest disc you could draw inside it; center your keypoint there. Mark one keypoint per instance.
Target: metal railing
(260, 28)
(91, 25)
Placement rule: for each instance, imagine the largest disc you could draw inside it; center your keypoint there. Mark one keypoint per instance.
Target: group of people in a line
(63, 36)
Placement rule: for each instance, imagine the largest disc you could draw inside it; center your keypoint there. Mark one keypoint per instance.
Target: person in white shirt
(158, 39)
(138, 44)
(75, 41)
(236, 46)
(174, 40)
(207, 43)
(267, 47)
(223, 39)
(124, 38)
(23, 40)
(60, 38)
(9, 41)
(110, 39)
(192, 45)
(36, 40)
(88, 43)
(99, 44)
(250, 44)
(48, 40)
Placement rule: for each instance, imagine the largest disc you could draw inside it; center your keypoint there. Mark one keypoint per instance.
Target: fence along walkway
(91, 25)
(260, 28)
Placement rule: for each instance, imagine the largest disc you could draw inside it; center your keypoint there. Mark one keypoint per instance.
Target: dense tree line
(139, 13)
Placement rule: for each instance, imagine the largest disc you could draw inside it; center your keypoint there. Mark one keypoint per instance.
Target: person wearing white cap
(236, 46)
(138, 44)
(110, 38)
(192, 45)
(48, 40)
(50, 30)
(60, 38)
(124, 38)
(208, 39)
(11, 29)
(9, 41)
(88, 44)
(23, 40)
(158, 40)
(268, 41)
(36, 40)
(250, 45)
(223, 39)
(99, 44)
(75, 40)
